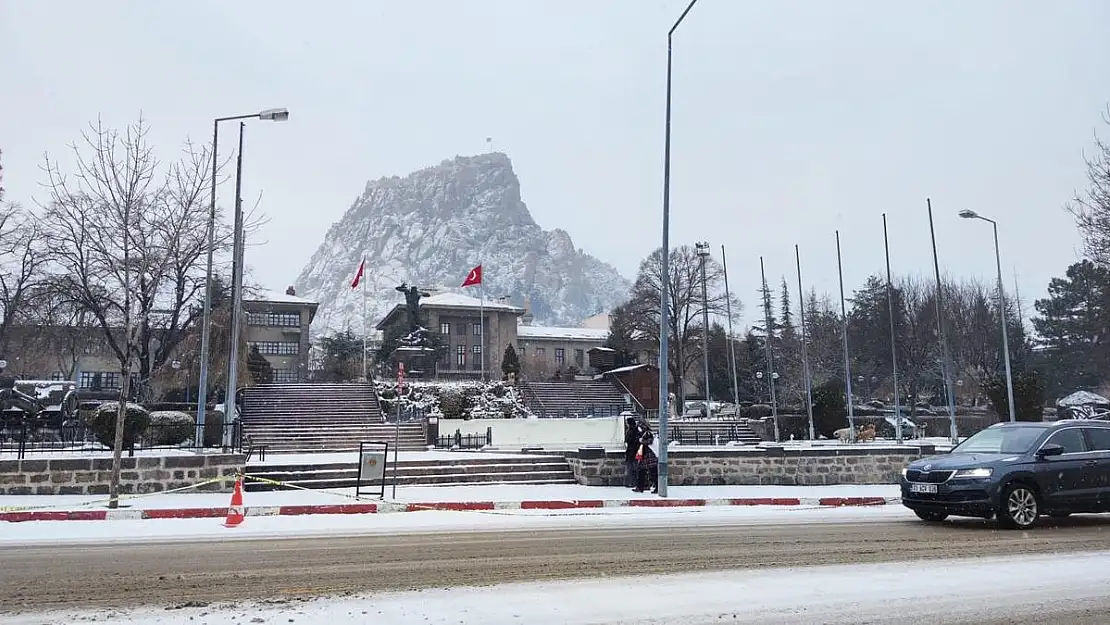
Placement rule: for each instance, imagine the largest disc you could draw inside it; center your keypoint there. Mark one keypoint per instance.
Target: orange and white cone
(236, 512)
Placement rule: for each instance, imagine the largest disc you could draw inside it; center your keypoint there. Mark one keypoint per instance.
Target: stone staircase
(709, 432)
(574, 399)
(319, 418)
(453, 472)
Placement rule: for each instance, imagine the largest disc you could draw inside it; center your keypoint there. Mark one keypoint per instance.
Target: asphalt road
(37, 578)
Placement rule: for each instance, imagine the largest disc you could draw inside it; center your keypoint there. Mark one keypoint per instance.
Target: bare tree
(1091, 208)
(22, 260)
(125, 238)
(685, 306)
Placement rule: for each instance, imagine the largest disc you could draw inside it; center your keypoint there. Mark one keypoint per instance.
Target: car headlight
(980, 472)
(904, 472)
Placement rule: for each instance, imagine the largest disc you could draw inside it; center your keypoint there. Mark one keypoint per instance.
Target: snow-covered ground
(427, 494)
(53, 532)
(936, 592)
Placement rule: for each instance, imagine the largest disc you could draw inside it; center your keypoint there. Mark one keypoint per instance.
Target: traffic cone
(236, 512)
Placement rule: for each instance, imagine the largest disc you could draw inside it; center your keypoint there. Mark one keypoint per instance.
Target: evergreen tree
(260, 369)
(342, 357)
(510, 362)
(785, 310)
(1073, 326)
(622, 329)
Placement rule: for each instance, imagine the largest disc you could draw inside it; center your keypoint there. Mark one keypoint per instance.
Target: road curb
(384, 507)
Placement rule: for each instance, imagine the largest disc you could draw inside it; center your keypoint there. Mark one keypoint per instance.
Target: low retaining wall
(755, 466)
(143, 474)
(548, 433)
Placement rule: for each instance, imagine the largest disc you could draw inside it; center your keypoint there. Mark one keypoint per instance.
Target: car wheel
(931, 517)
(1019, 507)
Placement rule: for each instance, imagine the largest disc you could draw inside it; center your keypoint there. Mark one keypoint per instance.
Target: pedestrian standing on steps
(631, 445)
(647, 461)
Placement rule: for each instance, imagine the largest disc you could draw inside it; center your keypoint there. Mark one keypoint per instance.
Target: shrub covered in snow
(453, 400)
(103, 423)
(169, 428)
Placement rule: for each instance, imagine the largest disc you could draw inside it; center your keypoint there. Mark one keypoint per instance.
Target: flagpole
(365, 326)
(482, 325)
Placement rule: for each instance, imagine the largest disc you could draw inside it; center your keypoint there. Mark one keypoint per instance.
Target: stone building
(542, 350)
(278, 324)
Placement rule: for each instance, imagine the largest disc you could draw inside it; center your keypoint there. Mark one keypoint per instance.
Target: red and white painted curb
(452, 506)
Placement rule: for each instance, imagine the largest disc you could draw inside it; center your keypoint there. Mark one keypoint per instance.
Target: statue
(417, 335)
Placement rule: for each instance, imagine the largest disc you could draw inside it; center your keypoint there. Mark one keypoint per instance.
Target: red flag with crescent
(474, 277)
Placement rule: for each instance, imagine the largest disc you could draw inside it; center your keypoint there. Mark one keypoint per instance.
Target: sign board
(371, 467)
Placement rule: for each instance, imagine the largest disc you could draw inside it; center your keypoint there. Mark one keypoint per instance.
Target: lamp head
(969, 214)
(274, 115)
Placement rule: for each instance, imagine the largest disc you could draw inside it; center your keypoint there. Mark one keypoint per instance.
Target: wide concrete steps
(420, 473)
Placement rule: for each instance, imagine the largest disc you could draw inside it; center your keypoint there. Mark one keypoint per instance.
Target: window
(1070, 439)
(579, 358)
(276, 348)
(521, 352)
(460, 328)
(560, 356)
(477, 349)
(541, 352)
(285, 376)
(57, 376)
(1098, 438)
(445, 328)
(99, 379)
(477, 329)
(460, 356)
(282, 320)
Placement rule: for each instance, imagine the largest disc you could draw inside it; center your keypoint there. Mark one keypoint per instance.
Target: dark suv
(1015, 472)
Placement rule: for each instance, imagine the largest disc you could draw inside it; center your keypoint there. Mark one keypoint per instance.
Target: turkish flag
(358, 276)
(474, 277)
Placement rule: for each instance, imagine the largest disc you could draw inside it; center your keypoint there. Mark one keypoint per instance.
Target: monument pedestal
(419, 361)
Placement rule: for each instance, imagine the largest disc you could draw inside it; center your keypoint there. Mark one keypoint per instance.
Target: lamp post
(277, 115)
(945, 356)
(893, 336)
(731, 342)
(236, 293)
(664, 295)
(970, 214)
(702, 248)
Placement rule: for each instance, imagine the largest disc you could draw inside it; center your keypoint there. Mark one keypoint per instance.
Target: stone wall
(143, 474)
(753, 466)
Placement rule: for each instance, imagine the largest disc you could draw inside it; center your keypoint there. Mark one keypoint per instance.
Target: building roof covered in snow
(452, 301)
(550, 333)
(1083, 398)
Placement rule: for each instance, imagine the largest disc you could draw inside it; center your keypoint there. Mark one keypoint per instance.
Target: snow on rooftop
(458, 300)
(277, 297)
(549, 332)
(625, 369)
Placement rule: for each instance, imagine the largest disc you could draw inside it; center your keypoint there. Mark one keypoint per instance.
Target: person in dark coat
(631, 445)
(648, 463)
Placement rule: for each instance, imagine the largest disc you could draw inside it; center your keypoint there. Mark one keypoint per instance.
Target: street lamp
(277, 115)
(702, 248)
(665, 271)
(970, 214)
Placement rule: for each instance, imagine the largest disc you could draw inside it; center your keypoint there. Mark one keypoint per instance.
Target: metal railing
(597, 412)
(22, 437)
(458, 440)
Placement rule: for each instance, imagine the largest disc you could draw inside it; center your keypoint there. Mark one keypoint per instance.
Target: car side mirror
(1051, 449)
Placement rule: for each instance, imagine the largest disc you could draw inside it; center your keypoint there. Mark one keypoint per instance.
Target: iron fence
(685, 435)
(21, 437)
(595, 412)
(458, 440)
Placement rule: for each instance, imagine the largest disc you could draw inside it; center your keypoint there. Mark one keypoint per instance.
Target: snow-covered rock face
(432, 226)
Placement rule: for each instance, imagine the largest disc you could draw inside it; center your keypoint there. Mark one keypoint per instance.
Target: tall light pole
(731, 342)
(702, 248)
(844, 332)
(236, 293)
(770, 332)
(893, 336)
(664, 286)
(277, 115)
(970, 214)
(946, 363)
(805, 352)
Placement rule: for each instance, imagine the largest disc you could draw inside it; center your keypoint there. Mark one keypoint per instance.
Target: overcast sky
(791, 119)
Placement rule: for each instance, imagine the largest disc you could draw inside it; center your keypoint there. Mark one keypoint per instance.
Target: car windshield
(1000, 441)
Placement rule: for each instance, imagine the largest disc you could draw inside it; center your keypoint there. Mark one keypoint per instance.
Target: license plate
(923, 488)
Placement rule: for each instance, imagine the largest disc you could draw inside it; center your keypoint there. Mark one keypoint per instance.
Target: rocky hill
(432, 226)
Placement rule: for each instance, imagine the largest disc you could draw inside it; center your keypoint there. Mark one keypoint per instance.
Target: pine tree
(785, 311)
(510, 362)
